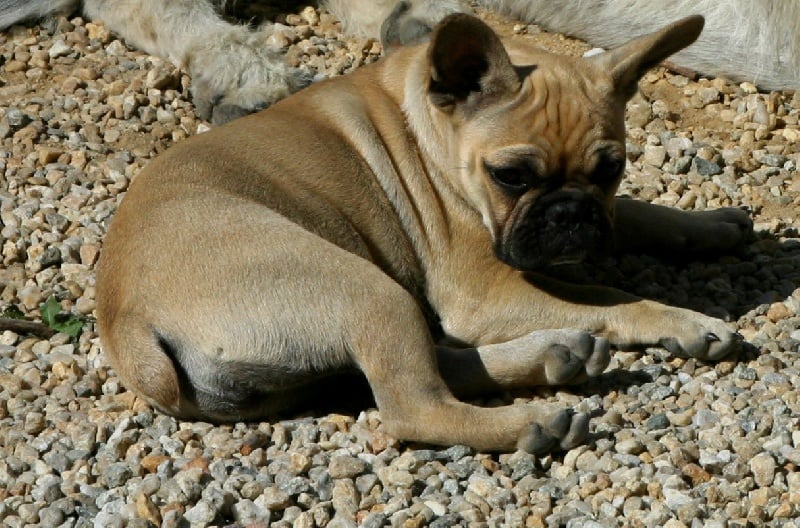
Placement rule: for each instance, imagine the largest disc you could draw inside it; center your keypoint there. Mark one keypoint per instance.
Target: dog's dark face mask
(560, 227)
(553, 213)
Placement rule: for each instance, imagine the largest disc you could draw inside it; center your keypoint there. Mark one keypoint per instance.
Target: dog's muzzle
(561, 227)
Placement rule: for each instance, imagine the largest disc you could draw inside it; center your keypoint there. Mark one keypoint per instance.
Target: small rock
(274, 499)
(630, 446)
(59, 49)
(201, 514)
(763, 467)
(706, 168)
(346, 467)
(116, 49)
(654, 155)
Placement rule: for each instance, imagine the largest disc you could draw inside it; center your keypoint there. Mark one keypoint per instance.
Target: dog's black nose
(563, 212)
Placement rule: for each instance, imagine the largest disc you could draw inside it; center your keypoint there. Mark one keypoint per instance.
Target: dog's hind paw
(236, 72)
(564, 430)
(708, 232)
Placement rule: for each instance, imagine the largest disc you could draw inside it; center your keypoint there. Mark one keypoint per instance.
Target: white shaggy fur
(235, 71)
(233, 68)
(743, 40)
(15, 11)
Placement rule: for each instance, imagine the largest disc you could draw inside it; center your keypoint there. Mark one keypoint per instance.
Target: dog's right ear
(629, 62)
(468, 64)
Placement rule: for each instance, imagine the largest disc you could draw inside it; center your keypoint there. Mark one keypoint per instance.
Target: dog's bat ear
(629, 62)
(468, 63)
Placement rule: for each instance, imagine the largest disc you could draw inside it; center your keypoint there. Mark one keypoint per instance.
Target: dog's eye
(608, 169)
(514, 179)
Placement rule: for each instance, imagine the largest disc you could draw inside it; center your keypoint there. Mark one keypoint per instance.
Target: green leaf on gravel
(66, 323)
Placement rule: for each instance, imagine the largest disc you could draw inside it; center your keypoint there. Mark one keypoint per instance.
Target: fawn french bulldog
(340, 228)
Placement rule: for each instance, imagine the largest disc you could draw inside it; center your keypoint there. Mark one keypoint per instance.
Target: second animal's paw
(411, 21)
(236, 72)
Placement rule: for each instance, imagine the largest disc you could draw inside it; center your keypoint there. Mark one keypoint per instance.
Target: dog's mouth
(561, 228)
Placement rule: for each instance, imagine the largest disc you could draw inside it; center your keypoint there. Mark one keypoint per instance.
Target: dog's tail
(743, 40)
(16, 11)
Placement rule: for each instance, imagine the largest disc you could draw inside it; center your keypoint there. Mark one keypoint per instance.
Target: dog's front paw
(703, 338)
(713, 231)
(235, 73)
(564, 430)
(574, 357)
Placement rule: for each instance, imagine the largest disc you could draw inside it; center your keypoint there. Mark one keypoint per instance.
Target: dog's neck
(406, 76)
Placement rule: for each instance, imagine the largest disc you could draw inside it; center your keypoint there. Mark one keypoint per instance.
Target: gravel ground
(674, 442)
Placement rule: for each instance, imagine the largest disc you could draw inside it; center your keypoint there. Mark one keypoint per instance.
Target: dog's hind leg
(744, 40)
(648, 228)
(394, 349)
(234, 70)
(264, 308)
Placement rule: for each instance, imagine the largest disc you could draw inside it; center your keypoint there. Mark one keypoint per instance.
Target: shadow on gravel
(764, 272)
(258, 12)
(347, 394)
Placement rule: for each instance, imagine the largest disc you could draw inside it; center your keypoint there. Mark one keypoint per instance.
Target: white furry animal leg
(234, 71)
(16, 11)
(743, 40)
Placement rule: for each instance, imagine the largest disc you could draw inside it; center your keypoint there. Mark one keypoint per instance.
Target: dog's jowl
(325, 234)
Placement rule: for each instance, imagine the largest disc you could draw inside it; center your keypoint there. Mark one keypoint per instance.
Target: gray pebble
(346, 467)
(705, 167)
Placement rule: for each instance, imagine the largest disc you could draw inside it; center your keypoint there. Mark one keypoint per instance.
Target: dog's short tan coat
(332, 231)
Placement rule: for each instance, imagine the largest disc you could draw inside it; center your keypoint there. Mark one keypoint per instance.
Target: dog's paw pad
(565, 430)
(224, 113)
(561, 365)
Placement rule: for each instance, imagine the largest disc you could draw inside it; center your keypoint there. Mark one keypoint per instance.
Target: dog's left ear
(468, 64)
(629, 62)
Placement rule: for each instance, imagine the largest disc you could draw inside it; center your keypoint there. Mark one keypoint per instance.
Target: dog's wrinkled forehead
(564, 91)
(560, 115)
